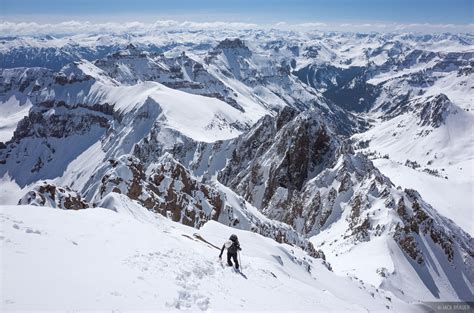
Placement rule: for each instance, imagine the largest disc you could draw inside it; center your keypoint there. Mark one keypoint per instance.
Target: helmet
(233, 237)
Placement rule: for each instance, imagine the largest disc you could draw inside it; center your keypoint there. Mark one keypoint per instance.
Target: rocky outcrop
(231, 44)
(166, 187)
(50, 195)
(24, 80)
(433, 111)
(417, 219)
(430, 112)
(40, 124)
(276, 158)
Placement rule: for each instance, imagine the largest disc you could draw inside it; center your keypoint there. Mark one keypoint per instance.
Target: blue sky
(255, 11)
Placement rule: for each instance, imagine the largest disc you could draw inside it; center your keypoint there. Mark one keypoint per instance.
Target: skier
(233, 247)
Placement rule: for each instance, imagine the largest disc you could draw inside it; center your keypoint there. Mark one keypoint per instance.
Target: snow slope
(147, 262)
(447, 151)
(198, 117)
(453, 199)
(380, 262)
(11, 112)
(10, 192)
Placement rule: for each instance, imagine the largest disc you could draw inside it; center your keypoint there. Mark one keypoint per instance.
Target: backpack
(234, 247)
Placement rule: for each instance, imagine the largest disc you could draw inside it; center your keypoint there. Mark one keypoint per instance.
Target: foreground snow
(132, 259)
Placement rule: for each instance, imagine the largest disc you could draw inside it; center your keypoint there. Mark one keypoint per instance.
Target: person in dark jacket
(232, 246)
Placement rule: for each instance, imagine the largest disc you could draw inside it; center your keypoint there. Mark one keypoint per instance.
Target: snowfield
(52, 259)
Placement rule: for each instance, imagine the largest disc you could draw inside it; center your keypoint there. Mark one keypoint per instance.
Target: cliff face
(279, 154)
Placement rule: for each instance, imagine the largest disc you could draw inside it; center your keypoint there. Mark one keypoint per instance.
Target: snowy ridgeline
(101, 259)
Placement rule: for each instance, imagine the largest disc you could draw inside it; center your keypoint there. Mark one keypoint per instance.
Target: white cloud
(311, 25)
(79, 27)
(412, 27)
(76, 27)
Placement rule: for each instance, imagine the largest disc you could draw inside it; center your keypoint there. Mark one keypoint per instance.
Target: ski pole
(240, 261)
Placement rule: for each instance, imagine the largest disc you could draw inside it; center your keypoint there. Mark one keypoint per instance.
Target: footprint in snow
(115, 293)
(187, 300)
(189, 296)
(31, 231)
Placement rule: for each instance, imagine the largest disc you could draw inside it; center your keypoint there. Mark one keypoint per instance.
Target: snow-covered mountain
(330, 154)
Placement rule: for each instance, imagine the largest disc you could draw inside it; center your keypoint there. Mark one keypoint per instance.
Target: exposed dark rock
(433, 112)
(48, 194)
(39, 125)
(168, 189)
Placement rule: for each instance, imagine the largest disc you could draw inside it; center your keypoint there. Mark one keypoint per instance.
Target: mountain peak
(228, 43)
